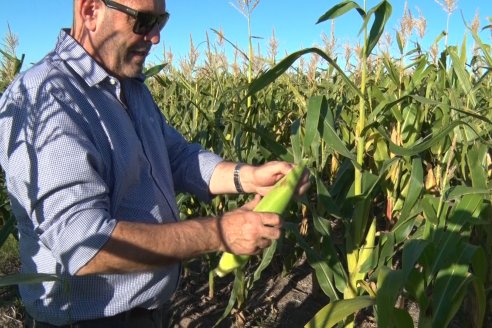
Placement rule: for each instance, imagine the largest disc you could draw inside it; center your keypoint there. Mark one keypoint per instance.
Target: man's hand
(262, 178)
(245, 232)
(253, 179)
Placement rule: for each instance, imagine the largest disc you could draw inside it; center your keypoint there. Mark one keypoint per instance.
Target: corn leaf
(275, 148)
(239, 50)
(295, 141)
(481, 45)
(326, 201)
(340, 9)
(421, 146)
(236, 293)
(402, 318)
(391, 282)
(266, 259)
(154, 70)
(457, 192)
(451, 286)
(463, 76)
(7, 228)
(447, 240)
(382, 13)
(337, 311)
(312, 119)
(479, 312)
(362, 207)
(273, 73)
(27, 278)
(416, 185)
(333, 140)
(323, 272)
(429, 206)
(476, 159)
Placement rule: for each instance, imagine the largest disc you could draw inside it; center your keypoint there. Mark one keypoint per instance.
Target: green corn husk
(275, 201)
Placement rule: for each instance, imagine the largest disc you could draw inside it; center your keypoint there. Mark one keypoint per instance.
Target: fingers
(264, 226)
(262, 244)
(266, 175)
(247, 232)
(284, 167)
(270, 173)
(249, 206)
(270, 219)
(271, 233)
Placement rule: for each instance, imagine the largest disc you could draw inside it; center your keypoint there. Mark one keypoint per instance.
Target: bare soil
(274, 301)
(11, 312)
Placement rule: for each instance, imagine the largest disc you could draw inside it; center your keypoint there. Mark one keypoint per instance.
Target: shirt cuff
(83, 237)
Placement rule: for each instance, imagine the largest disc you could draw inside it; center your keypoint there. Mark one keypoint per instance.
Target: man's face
(120, 50)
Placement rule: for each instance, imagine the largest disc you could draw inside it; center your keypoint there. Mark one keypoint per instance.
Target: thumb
(249, 206)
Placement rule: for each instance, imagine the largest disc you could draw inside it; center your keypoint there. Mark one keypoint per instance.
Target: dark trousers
(135, 318)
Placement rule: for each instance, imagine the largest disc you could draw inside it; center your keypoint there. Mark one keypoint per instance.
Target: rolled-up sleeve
(192, 165)
(55, 175)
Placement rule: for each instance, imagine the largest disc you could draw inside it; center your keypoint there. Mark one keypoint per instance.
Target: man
(92, 168)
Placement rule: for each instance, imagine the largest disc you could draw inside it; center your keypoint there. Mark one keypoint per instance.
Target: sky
(36, 23)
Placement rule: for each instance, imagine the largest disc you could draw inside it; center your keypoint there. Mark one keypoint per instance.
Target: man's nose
(154, 36)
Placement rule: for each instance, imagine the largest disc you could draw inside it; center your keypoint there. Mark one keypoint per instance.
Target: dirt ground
(275, 301)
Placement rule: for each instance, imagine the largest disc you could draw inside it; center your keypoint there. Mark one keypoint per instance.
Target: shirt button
(112, 81)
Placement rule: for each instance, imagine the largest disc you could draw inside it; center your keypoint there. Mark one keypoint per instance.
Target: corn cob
(275, 201)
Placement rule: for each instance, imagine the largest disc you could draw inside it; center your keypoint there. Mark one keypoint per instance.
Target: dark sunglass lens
(163, 20)
(144, 23)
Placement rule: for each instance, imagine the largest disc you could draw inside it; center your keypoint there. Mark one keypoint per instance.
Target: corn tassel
(275, 201)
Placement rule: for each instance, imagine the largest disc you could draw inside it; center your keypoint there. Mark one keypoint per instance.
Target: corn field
(397, 140)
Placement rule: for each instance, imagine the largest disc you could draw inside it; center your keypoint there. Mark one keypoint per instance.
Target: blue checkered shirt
(76, 161)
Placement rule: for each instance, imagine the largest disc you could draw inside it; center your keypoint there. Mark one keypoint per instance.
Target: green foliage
(10, 66)
(422, 124)
(424, 148)
(9, 256)
(398, 148)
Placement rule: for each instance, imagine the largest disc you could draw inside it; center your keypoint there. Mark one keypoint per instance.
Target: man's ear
(89, 11)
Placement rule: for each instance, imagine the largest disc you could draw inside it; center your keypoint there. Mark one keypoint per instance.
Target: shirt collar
(80, 61)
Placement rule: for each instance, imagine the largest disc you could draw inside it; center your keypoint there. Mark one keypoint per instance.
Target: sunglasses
(144, 22)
